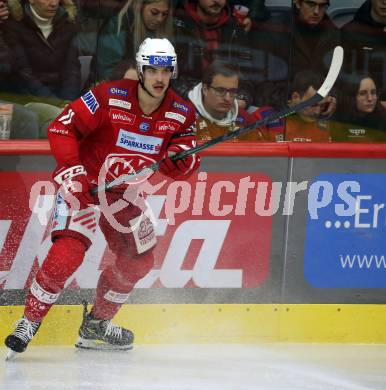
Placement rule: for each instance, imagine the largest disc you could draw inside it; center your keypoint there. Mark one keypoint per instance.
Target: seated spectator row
(240, 56)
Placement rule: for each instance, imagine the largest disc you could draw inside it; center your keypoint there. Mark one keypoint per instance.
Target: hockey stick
(336, 64)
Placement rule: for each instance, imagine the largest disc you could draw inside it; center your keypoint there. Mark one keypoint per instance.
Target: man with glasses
(215, 99)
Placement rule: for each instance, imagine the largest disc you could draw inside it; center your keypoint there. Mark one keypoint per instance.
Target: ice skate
(18, 341)
(103, 335)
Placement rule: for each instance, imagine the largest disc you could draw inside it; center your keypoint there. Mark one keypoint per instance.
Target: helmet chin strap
(141, 82)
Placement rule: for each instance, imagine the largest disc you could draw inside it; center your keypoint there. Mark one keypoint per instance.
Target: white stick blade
(336, 65)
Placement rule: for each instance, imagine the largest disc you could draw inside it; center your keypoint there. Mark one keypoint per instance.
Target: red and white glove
(74, 187)
(179, 169)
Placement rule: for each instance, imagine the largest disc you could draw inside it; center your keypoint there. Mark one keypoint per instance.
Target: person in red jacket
(114, 129)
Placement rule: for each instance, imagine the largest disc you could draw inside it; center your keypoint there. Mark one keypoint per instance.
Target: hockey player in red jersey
(114, 129)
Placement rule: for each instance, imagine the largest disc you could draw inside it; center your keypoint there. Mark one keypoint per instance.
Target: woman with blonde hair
(121, 37)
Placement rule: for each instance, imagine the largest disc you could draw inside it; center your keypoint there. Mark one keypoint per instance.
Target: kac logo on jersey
(90, 101)
(118, 164)
(144, 126)
(118, 91)
(138, 142)
(180, 106)
(161, 60)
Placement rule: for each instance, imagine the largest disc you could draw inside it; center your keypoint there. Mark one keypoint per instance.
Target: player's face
(212, 7)
(45, 8)
(378, 9)
(366, 98)
(311, 12)
(155, 14)
(157, 79)
(219, 96)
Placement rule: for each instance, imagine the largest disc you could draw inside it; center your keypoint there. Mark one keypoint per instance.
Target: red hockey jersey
(107, 128)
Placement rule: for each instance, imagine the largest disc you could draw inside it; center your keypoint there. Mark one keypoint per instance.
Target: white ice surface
(204, 367)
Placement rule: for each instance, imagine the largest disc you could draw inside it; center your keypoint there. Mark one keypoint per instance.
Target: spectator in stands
(46, 59)
(304, 40)
(362, 117)
(24, 123)
(5, 52)
(93, 16)
(126, 69)
(216, 104)
(207, 31)
(314, 40)
(270, 42)
(257, 11)
(306, 125)
(364, 41)
(314, 36)
(120, 39)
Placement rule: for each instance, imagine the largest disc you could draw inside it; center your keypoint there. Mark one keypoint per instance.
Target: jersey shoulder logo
(67, 118)
(90, 101)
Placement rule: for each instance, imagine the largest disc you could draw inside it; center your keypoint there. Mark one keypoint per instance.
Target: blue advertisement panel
(345, 243)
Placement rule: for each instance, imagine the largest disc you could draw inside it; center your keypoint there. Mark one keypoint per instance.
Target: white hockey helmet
(156, 52)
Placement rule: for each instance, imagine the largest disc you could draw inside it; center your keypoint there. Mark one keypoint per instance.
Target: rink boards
(221, 323)
(266, 244)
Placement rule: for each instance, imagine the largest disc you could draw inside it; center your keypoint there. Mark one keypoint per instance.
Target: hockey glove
(74, 187)
(179, 169)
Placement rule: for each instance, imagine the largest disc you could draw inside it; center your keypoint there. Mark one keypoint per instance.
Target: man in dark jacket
(313, 42)
(314, 37)
(364, 41)
(42, 40)
(302, 39)
(207, 31)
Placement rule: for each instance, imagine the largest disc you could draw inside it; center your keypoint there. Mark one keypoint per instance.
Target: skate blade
(11, 355)
(100, 345)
